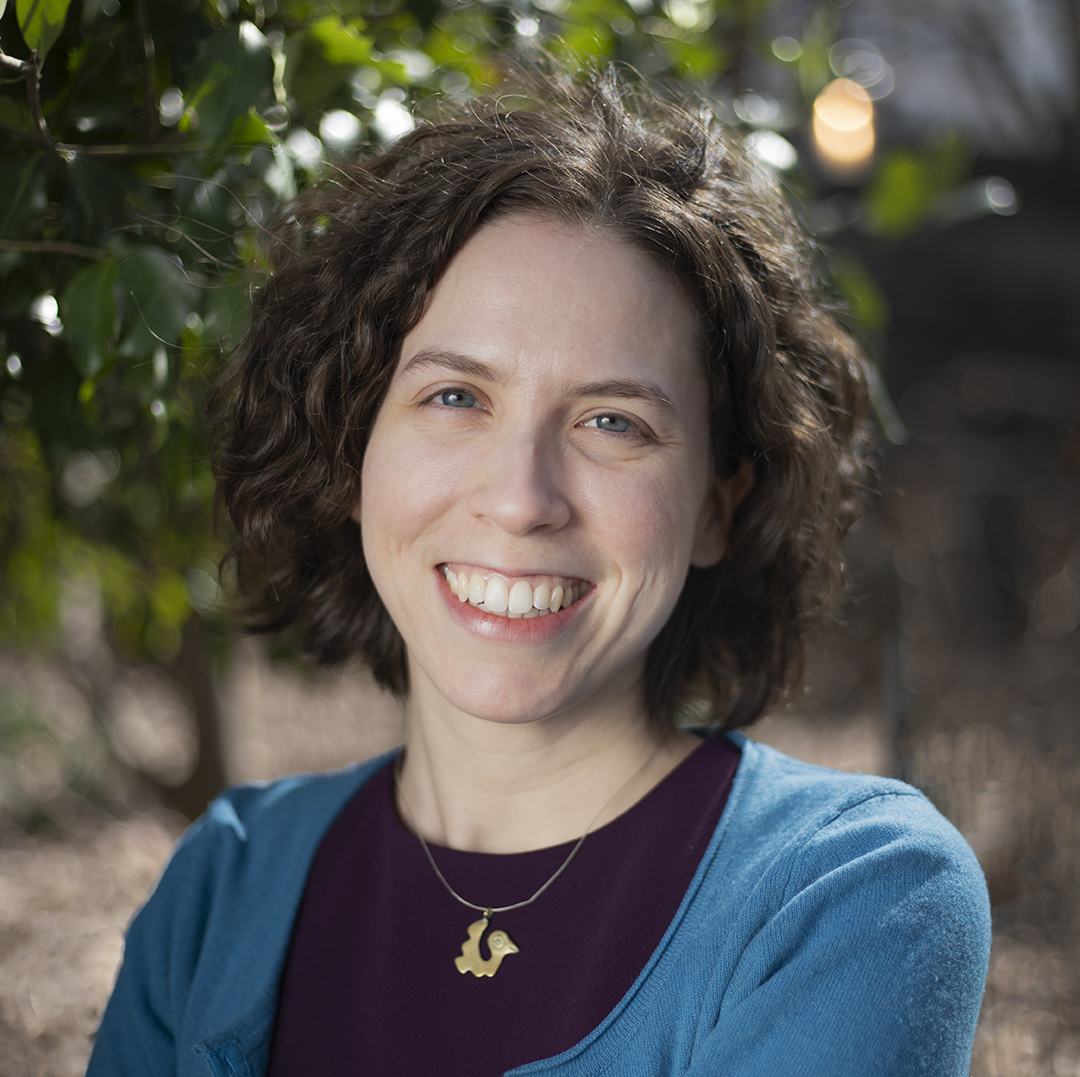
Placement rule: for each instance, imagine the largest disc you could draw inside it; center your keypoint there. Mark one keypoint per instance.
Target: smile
(514, 596)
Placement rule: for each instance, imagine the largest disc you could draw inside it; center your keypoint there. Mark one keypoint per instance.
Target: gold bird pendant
(499, 943)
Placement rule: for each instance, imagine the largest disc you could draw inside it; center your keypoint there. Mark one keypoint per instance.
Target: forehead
(564, 298)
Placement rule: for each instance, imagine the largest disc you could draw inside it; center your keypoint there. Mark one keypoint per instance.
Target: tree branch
(16, 67)
(46, 246)
(33, 98)
(31, 71)
(152, 149)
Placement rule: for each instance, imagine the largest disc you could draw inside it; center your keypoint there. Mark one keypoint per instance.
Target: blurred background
(934, 147)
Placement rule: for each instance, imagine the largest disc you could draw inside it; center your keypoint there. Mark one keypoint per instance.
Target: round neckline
(625, 817)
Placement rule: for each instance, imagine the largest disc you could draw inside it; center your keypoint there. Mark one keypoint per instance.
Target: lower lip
(508, 629)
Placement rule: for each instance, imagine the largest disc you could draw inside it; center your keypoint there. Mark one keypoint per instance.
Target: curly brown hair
(351, 264)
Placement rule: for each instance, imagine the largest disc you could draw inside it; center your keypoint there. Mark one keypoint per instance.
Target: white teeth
(519, 600)
(476, 589)
(497, 595)
(521, 597)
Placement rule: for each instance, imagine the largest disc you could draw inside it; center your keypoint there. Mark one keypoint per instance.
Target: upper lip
(513, 573)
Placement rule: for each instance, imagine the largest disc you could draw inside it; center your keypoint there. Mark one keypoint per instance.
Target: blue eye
(456, 398)
(613, 424)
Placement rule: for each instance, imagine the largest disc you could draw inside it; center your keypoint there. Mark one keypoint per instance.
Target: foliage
(142, 146)
(907, 183)
(131, 193)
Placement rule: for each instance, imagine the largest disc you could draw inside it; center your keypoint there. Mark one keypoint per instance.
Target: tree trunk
(193, 677)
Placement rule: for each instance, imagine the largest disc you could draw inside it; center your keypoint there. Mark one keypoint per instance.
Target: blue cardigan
(837, 925)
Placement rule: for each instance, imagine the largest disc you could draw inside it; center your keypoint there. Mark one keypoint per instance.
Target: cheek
(404, 485)
(649, 521)
(374, 484)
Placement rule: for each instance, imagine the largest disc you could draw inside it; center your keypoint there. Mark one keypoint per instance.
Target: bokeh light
(844, 128)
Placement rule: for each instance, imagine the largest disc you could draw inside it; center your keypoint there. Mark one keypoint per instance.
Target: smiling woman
(542, 416)
(552, 406)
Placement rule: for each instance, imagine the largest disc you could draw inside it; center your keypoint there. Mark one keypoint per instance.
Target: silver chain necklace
(499, 942)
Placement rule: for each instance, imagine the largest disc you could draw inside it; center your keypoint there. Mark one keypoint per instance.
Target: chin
(519, 697)
(507, 704)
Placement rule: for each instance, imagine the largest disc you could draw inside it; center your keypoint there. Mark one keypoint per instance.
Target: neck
(486, 786)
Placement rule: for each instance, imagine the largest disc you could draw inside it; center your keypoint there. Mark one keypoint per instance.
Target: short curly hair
(347, 272)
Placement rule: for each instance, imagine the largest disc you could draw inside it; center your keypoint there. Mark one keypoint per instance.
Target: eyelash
(633, 429)
(452, 392)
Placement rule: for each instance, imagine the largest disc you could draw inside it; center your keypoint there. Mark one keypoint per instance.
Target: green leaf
(41, 22)
(22, 198)
(89, 313)
(250, 130)
(901, 196)
(342, 43)
(169, 598)
(899, 199)
(696, 61)
(587, 39)
(157, 297)
(865, 298)
(233, 74)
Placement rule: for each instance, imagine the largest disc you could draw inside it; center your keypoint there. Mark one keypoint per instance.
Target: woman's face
(538, 480)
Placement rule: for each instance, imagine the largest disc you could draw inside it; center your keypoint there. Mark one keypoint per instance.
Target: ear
(710, 540)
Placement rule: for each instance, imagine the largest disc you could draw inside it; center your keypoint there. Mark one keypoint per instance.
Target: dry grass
(65, 901)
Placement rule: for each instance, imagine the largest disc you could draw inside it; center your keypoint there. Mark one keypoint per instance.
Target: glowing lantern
(844, 127)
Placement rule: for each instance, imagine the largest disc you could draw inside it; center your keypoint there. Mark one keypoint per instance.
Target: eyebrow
(626, 389)
(460, 364)
(616, 388)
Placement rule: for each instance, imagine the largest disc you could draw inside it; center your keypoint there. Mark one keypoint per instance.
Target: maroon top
(370, 985)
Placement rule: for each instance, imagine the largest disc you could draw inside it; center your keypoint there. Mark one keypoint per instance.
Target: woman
(542, 416)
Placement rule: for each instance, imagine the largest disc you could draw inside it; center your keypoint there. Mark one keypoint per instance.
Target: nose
(517, 486)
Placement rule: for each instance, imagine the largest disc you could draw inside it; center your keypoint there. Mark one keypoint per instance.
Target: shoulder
(828, 847)
(208, 945)
(252, 848)
(287, 809)
(844, 853)
(793, 806)
(841, 920)
(251, 811)
(259, 830)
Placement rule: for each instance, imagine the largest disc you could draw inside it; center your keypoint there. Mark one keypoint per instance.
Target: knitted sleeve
(137, 1037)
(872, 960)
(197, 989)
